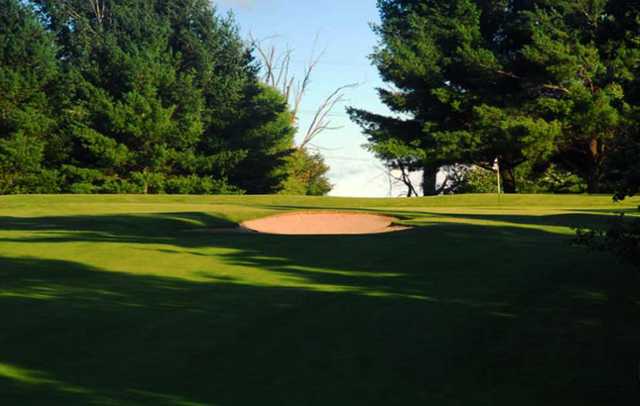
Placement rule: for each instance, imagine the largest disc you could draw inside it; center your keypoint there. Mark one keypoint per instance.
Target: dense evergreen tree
(155, 96)
(518, 81)
(28, 69)
(586, 53)
(265, 135)
(449, 65)
(148, 97)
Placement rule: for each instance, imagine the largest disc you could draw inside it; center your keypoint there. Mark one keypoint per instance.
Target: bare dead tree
(99, 10)
(97, 7)
(404, 178)
(321, 119)
(277, 73)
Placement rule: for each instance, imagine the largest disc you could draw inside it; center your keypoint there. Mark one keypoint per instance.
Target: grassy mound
(135, 300)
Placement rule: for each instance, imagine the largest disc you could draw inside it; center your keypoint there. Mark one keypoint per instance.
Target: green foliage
(27, 70)
(624, 166)
(583, 53)
(477, 180)
(267, 138)
(306, 174)
(556, 180)
(622, 239)
(194, 185)
(137, 96)
(528, 83)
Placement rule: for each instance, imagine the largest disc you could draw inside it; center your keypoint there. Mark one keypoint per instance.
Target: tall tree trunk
(593, 177)
(429, 177)
(508, 180)
(593, 182)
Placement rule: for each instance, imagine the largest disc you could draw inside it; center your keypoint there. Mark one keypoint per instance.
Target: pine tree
(519, 81)
(451, 66)
(28, 68)
(161, 96)
(586, 53)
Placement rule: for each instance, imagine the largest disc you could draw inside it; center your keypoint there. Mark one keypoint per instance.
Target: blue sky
(343, 31)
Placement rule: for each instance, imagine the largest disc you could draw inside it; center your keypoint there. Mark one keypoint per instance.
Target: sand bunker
(325, 223)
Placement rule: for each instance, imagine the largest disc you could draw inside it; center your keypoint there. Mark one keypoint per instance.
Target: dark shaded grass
(574, 218)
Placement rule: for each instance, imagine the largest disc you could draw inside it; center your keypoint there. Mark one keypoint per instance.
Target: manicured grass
(143, 300)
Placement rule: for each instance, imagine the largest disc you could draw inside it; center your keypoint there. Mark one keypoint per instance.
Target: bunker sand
(324, 223)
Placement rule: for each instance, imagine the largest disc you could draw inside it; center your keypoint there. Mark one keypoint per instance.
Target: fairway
(128, 300)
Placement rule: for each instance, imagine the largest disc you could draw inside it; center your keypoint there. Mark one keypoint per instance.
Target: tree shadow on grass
(447, 314)
(573, 218)
(78, 335)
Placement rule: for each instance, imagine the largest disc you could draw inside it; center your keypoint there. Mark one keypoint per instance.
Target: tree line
(140, 96)
(545, 89)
